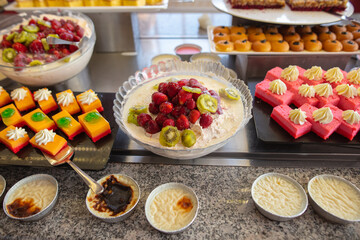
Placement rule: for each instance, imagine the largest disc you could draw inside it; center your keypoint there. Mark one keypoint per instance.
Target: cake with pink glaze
(335, 76)
(326, 95)
(289, 75)
(304, 94)
(350, 124)
(349, 99)
(264, 92)
(313, 76)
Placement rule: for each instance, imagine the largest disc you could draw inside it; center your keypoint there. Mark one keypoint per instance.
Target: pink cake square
(311, 82)
(262, 91)
(275, 73)
(299, 100)
(281, 115)
(323, 130)
(333, 99)
(348, 103)
(343, 81)
(348, 130)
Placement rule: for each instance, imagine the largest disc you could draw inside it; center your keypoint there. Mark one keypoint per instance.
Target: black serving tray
(88, 155)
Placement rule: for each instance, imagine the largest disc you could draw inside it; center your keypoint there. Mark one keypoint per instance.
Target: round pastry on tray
(256, 37)
(358, 41)
(236, 29)
(344, 36)
(221, 36)
(184, 111)
(296, 46)
(238, 36)
(309, 36)
(261, 46)
(303, 29)
(332, 46)
(270, 29)
(349, 45)
(292, 36)
(286, 29)
(320, 29)
(254, 29)
(242, 45)
(337, 28)
(313, 45)
(326, 36)
(273, 36)
(221, 29)
(356, 34)
(224, 46)
(352, 27)
(280, 46)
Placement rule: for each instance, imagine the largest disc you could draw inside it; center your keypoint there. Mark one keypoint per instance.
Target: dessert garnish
(88, 97)
(306, 90)
(297, 116)
(65, 98)
(351, 117)
(334, 75)
(44, 136)
(42, 94)
(323, 90)
(314, 73)
(188, 138)
(16, 133)
(278, 87)
(354, 76)
(323, 115)
(18, 94)
(346, 90)
(230, 93)
(291, 73)
(169, 136)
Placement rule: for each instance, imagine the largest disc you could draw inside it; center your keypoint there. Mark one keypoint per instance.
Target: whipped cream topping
(314, 73)
(65, 98)
(334, 75)
(323, 115)
(323, 90)
(42, 94)
(16, 133)
(44, 136)
(346, 90)
(306, 90)
(297, 116)
(88, 97)
(351, 117)
(291, 73)
(1, 89)
(18, 94)
(278, 87)
(354, 76)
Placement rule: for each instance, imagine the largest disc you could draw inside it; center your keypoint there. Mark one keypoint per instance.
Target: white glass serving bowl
(54, 72)
(212, 70)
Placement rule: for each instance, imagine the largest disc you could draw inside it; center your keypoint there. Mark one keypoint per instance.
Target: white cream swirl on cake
(42, 94)
(334, 75)
(323, 90)
(277, 87)
(18, 94)
(314, 73)
(346, 90)
(88, 97)
(354, 76)
(65, 98)
(306, 90)
(297, 116)
(44, 136)
(351, 117)
(16, 133)
(323, 115)
(291, 73)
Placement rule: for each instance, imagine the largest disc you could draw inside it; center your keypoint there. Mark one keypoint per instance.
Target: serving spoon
(54, 40)
(65, 155)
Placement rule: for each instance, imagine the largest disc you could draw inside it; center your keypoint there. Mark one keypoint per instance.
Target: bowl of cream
(171, 207)
(335, 198)
(279, 197)
(32, 198)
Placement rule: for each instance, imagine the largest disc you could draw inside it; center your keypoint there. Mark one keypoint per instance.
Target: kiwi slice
(21, 37)
(44, 23)
(206, 103)
(31, 28)
(230, 93)
(132, 118)
(11, 36)
(35, 63)
(8, 55)
(45, 44)
(191, 90)
(156, 87)
(169, 136)
(53, 35)
(138, 109)
(30, 37)
(188, 138)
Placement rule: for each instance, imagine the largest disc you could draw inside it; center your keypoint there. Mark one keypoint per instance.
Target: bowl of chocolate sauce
(118, 200)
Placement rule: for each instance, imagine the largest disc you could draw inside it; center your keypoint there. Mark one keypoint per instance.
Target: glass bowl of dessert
(182, 110)
(28, 58)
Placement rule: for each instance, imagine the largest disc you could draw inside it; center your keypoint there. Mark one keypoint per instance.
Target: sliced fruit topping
(152, 127)
(194, 115)
(169, 122)
(132, 118)
(182, 122)
(36, 47)
(190, 104)
(8, 55)
(143, 118)
(45, 44)
(177, 111)
(156, 87)
(162, 87)
(44, 23)
(172, 89)
(160, 119)
(92, 117)
(166, 107)
(7, 113)
(183, 96)
(159, 98)
(31, 28)
(63, 122)
(153, 108)
(30, 37)
(53, 35)
(192, 90)
(138, 109)
(205, 120)
(169, 136)
(206, 103)
(20, 38)
(20, 48)
(230, 93)
(188, 138)
(35, 63)
(37, 117)
(11, 36)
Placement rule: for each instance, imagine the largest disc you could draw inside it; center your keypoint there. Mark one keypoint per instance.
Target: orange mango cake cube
(89, 101)
(67, 124)
(4, 97)
(23, 98)
(67, 102)
(37, 120)
(45, 100)
(11, 116)
(48, 141)
(95, 125)
(14, 138)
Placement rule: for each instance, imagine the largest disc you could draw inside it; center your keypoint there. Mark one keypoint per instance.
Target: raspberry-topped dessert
(183, 112)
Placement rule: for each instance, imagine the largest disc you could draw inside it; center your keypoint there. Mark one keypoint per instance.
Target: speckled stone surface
(226, 209)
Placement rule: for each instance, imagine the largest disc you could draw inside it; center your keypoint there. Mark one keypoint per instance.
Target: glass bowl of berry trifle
(28, 58)
(182, 110)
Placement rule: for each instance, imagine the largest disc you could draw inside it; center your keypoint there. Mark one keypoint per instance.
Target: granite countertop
(226, 209)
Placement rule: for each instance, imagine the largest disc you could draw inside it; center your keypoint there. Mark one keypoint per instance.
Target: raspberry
(69, 26)
(194, 83)
(32, 22)
(166, 107)
(20, 48)
(76, 39)
(194, 115)
(45, 18)
(163, 87)
(160, 119)
(40, 35)
(22, 58)
(50, 58)
(36, 47)
(39, 57)
(190, 104)
(55, 52)
(215, 95)
(183, 96)
(73, 48)
(153, 108)
(60, 31)
(182, 122)
(66, 36)
(79, 31)
(173, 89)
(175, 100)
(183, 82)
(169, 122)
(205, 120)
(5, 44)
(159, 98)
(196, 96)
(151, 127)
(65, 52)
(143, 118)
(177, 111)
(55, 24)
(48, 31)
(62, 21)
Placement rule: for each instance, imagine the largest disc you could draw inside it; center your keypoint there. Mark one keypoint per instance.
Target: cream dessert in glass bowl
(27, 58)
(183, 110)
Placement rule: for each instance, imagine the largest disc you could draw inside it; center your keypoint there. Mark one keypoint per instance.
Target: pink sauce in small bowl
(187, 50)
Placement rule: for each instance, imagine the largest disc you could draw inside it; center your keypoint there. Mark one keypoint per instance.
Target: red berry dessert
(289, 75)
(350, 123)
(182, 113)
(292, 120)
(313, 75)
(273, 92)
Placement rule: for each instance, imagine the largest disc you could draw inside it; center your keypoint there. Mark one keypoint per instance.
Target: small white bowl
(274, 216)
(113, 219)
(26, 180)
(162, 188)
(210, 57)
(185, 55)
(164, 58)
(321, 211)
(2, 182)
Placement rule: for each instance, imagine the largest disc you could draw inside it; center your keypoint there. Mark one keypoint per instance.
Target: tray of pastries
(283, 40)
